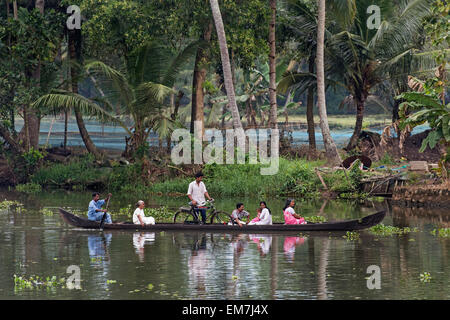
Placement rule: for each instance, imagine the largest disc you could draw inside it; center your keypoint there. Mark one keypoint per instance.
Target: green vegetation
(7, 204)
(36, 282)
(382, 230)
(441, 232)
(29, 187)
(46, 211)
(316, 219)
(294, 177)
(160, 214)
(425, 277)
(351, 235)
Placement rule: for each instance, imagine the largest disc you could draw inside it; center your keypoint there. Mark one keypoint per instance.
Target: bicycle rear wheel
(184, 217)
(220, 217)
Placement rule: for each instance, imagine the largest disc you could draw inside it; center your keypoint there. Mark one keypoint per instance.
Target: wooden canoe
(347, 225)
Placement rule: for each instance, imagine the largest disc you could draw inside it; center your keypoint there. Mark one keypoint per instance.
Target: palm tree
(74, 50)
(140, 96)
(330, 147)
(362, 58)
(302, 20)
(228, 78)
(199, 77)
(272, 64)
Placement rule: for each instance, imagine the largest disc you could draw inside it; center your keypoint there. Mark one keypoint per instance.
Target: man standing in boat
(196, 193)
(95, 211)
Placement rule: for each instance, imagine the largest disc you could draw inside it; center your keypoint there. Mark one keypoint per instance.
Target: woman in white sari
(265, 217)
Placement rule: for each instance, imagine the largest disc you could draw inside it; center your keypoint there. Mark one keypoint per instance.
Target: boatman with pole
(95, 211)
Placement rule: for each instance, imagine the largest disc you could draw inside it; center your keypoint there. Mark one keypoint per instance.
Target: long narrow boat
(347, 225)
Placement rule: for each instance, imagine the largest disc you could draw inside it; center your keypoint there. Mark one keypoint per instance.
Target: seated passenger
(265, 217)
(239, 214)
(290, 217)
(139, 216)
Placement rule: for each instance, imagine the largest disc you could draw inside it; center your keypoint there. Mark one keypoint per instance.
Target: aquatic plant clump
(351, 236)
(46, 212)
(382, 230)
(441, 232)
(316, 219)
(425, 277)
(29, 188)
(7, 204)
(161, 213)
(36, 282)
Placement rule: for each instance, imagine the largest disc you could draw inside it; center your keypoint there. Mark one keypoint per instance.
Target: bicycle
(189, 216)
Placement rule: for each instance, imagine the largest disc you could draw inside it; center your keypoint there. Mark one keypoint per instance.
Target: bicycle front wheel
(220, 217)
(184, 217)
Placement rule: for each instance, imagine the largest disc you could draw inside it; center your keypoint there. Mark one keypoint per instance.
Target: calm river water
(181, 265)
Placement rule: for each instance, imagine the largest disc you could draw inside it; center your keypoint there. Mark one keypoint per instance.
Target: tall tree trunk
(32, 119)
(174, 115)
(228, 78)
(15, 9)
(74, 53)
(358, 126)
(197, 112)
(330, 147)
(310, 110)
(310, 118)
(272, 68)
(7, 8)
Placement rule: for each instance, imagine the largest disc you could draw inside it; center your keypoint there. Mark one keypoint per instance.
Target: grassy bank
(294, 177)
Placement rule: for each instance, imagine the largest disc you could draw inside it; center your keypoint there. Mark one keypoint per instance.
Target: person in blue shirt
(95, 211)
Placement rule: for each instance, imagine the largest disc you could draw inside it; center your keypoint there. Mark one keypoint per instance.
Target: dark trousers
(201, 211)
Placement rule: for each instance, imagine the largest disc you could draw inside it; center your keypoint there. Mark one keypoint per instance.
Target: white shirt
(197, 191)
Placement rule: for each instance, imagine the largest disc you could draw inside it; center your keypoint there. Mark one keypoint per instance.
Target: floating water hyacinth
(441, 232)
(316, 219)
(46, 211)
(351, 235)
(382, 230)
(37, 282)
(425, 277)
(7, 204)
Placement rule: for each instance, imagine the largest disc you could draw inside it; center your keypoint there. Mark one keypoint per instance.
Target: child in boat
(139, 216)
(264, 216)
(290, 217)
(257, 218)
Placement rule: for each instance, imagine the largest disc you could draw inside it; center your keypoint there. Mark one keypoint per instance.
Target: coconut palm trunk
(310, 110)
(358, 125)
(330, 147)
(272, 67)
(199, 77)
(228, 78)
(15, 10)
(32, 120)
(74, 39)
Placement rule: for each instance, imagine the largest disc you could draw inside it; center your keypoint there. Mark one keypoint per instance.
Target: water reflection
(139, 241)
(289, 245)
(263, 242)
(198, 264)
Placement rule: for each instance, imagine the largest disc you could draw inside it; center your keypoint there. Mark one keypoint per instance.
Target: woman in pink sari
(290, 217)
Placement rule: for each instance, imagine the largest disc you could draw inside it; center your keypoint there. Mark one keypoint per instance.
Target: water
(187, 265)
(113, 137)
